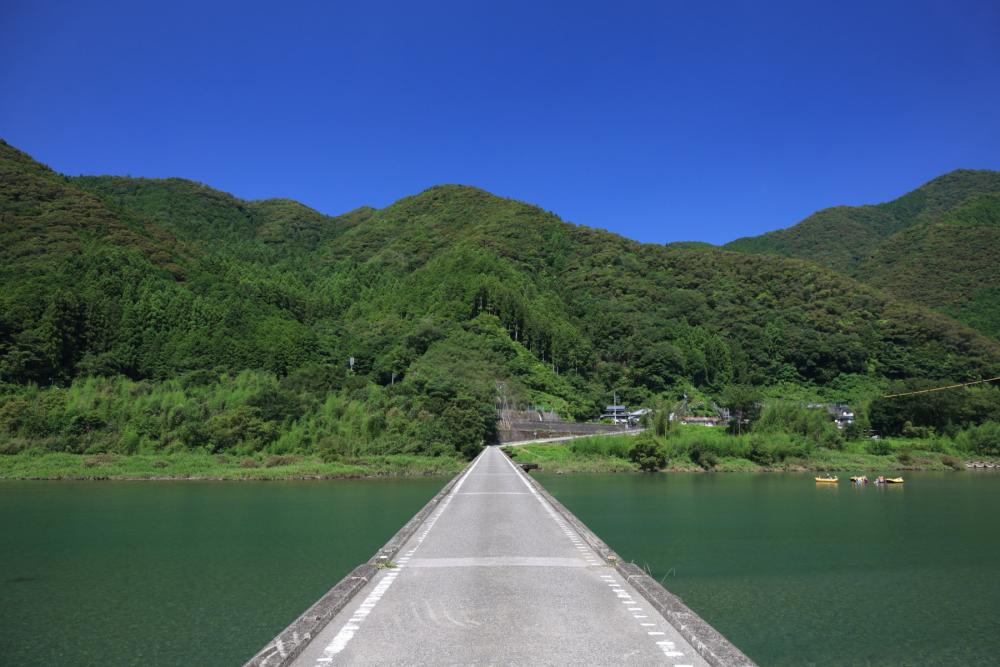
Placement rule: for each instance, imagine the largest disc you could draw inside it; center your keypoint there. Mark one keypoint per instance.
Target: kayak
(828, 480)
(893, 480)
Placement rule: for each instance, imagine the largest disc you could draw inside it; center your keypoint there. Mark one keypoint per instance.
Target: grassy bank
(699, 449)
(196, 466)
(683, 449)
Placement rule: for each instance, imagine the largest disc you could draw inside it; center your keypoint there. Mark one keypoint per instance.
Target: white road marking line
(656, 633)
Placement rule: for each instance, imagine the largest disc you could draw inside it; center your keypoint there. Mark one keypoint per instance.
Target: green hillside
(937, 246)
(146, 315)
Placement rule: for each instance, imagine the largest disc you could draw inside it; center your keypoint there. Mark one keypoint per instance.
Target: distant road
(496, 576)
(541, 441)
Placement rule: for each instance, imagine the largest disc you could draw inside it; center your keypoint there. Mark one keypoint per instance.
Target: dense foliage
(938, 412)
(144, 315)
(938, 246)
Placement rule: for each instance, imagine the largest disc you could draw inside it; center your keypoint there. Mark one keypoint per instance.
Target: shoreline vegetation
(688, 450)
(700, 449)
(194, 466)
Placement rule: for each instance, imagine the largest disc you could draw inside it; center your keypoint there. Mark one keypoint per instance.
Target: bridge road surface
(495, 576)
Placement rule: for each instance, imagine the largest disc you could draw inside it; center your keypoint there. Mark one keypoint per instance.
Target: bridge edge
(711, 644)
(290, 642)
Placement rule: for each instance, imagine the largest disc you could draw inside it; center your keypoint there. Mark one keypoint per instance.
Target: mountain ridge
(945, 233)
(441, 301)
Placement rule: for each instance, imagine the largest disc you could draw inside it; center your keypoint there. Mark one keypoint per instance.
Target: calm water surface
(179, 573)
(795, 573)
(205, 573)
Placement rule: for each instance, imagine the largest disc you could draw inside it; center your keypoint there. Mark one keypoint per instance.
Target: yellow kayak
(893, 480)
(829, 480)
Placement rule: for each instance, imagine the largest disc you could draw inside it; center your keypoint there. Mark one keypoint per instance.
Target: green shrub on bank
(878, 447)
(813, 424)
(982, 440)
(702, 456)
(647, 453)
(776, 448)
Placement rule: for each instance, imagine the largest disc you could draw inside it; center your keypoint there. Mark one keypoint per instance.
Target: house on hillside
(841, 413)
(636, 416)
(619, 414)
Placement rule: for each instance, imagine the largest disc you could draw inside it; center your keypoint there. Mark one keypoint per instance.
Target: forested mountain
(220, 323)
(938, 246)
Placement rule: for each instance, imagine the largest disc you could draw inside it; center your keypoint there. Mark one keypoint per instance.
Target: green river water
(179, 573)
(796, 573)
(203, 573)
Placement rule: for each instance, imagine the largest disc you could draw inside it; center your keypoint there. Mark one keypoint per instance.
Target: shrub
(759, 452)
(99, 460)
(853, 431)
(662, 423)
(904, 455)
(911, 431)
(702, 456)
(128, 442)
(951, 462)
(375, 425)
(240, 426)
(329, 448)
(280, 460)
(12, 415)
(878, 447)
(814, 424)
(983, 439)
(249, 463)
(648, 454)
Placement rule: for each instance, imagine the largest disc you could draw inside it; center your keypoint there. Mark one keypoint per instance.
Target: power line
(951, 386)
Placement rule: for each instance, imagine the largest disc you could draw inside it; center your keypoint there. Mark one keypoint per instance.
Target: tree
(744, 403)
(647, 453)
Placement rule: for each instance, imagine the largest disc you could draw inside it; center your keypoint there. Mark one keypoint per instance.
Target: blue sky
(662, 121)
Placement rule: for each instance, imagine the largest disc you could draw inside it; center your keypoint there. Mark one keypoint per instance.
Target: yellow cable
(951, 386)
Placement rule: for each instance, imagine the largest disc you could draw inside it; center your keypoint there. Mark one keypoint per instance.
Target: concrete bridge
(495, 571)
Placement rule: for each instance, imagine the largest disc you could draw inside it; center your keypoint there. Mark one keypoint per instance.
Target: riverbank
(585, 455)
(608, 455)
(194, 466)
